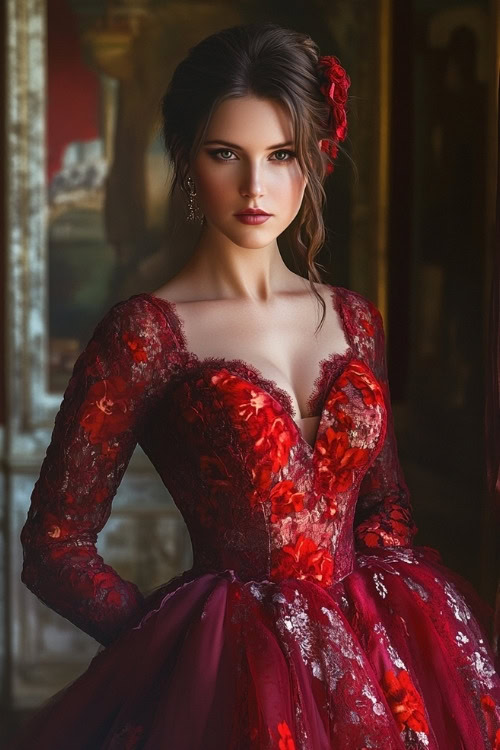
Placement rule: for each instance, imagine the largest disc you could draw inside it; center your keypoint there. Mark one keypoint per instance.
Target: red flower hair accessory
(334, 84)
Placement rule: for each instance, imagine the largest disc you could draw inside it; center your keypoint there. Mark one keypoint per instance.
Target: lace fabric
(309, 619)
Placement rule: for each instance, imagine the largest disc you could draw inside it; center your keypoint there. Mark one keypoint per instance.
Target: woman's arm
(383, 512)
(114, 381)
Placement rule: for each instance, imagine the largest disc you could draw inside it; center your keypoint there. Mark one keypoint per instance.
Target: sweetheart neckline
(218, 363)
(327, 367)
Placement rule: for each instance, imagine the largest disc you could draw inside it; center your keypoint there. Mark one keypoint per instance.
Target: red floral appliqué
(405, 702)
(375, 534)
(285, 500)
(136, 346)
(336, 461)
(262, 423)
(333, 404)
(303, 560)
(358, 375)
(53, 529)
(286, 741)
(106, 411)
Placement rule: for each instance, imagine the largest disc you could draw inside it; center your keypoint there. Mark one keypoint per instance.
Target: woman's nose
(252, 182)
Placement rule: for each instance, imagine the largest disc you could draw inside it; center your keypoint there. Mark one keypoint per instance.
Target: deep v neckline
(330, 368)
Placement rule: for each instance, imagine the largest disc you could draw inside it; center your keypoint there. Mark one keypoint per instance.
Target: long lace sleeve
(383, 512)
(115, 381)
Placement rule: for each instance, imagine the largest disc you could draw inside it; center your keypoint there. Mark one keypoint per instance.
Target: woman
(308, 620)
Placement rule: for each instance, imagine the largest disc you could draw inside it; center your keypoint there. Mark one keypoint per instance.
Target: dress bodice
(256, 496)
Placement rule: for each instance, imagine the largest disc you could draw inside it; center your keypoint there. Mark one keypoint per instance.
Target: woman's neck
(228, 271)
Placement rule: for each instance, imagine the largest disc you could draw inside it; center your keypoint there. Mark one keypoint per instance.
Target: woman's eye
(289, 155)
(218, 152)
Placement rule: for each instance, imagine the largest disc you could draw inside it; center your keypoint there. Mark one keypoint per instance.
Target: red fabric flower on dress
(336, 461)
(136, 345)
(286, 741)
(262, 424)
(285, 500)
(361, 378)
(55, 527)
(405, 702)
(334, 85)
(303, 560)
(391, 531)
(107, 410)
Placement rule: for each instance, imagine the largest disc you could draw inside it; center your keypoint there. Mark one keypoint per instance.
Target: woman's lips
(253, 218)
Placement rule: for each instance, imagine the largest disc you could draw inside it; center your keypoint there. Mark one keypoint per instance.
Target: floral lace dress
(309, 619)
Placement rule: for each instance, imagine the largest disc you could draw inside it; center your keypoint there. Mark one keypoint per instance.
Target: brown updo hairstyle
(269, 61)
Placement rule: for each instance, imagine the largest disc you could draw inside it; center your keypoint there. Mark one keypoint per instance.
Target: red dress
(309, 620)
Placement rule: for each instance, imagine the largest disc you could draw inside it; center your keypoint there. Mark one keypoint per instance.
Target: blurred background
(87, 222)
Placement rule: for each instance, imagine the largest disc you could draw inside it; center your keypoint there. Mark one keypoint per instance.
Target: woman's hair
(268, 61)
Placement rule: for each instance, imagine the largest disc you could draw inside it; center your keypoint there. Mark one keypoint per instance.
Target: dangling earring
(193, 208)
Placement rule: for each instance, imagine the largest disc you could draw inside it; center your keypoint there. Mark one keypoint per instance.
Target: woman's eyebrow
(235, 145)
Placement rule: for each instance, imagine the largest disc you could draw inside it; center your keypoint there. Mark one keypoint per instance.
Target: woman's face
(247, 161)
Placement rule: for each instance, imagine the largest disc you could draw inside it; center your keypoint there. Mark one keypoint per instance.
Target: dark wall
(2, 214)
(439, 272)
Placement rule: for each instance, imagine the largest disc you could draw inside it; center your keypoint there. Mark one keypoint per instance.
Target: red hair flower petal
(334, 85)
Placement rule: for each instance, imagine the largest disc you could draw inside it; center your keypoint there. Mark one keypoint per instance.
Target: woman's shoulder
(141, 318)
(139, 308)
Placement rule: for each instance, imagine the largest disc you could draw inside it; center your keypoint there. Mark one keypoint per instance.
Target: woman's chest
(278, 340)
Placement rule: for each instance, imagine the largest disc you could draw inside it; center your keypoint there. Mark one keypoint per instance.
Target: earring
(193, 208)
